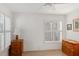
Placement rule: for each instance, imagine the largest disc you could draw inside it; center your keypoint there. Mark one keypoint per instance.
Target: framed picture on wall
(69, 26)
(76, 24)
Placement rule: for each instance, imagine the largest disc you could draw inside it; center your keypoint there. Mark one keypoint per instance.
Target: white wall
(32, 28)
(5, 11)
(70, 34)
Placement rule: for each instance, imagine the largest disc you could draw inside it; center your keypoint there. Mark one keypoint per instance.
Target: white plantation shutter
(53, 31)
(49, 32)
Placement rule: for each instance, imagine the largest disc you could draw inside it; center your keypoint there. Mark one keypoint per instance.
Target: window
(50, 31)
(53, 31)
(5, 31)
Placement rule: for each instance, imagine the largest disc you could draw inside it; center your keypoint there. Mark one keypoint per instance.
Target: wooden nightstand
(16, 47)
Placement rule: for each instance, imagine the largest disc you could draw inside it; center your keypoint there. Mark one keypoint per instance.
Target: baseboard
(43, 50)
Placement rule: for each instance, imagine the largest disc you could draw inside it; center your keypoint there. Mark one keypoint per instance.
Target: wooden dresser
(16, 47)
(70, 47)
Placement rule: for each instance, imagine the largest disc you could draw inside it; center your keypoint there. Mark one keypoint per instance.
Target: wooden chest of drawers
(70, 47)
(16, 47)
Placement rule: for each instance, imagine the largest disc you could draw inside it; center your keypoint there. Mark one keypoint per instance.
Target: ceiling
(59, 8)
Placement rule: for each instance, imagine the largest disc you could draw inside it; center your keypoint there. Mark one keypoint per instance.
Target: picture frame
(69, 26)
(76, 25)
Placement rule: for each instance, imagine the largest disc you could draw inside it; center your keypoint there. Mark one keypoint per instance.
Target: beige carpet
(44, 53)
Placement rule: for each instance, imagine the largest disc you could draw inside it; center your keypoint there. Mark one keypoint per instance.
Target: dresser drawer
(15, 52)
(68, 45)
(16, 44)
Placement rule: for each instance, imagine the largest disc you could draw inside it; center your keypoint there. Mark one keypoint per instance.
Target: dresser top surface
(72, 41)
(17, 40)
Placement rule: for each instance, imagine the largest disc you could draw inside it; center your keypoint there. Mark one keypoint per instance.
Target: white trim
(52, 41)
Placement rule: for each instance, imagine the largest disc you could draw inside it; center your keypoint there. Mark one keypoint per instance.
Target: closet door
(2, 32)
(7, 31)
